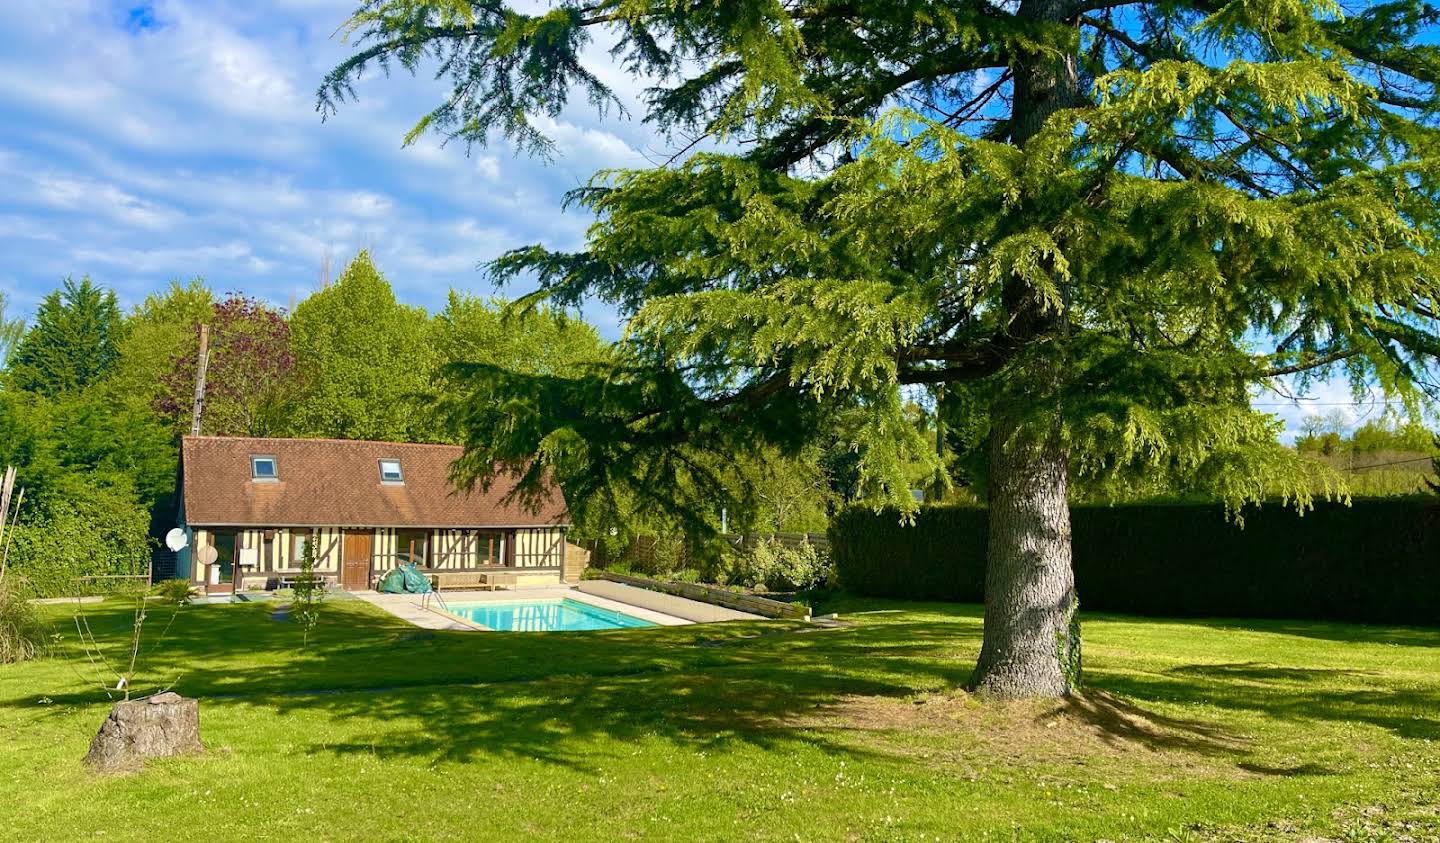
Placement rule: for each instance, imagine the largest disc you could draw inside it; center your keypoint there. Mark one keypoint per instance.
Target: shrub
(91, 530)
(175, 591)
(1377, 561)
(137, 664)
(776, 567)
(941, 556)
(664, 554)
(22, 635)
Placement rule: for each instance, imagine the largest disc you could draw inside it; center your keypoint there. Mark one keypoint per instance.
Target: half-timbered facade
(249, 505)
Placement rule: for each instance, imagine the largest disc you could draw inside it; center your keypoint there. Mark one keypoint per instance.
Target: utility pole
(202, 363)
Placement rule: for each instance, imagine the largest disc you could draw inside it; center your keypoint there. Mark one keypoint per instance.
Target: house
(366, 506)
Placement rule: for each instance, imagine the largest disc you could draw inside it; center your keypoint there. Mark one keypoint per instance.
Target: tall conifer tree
(72, 342)
(1101, 223)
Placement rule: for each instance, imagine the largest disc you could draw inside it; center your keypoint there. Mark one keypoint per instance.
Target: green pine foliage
(72, 343)
(1230, 193)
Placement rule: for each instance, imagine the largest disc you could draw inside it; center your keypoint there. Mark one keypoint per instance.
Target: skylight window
(263, 468)
(390, 472)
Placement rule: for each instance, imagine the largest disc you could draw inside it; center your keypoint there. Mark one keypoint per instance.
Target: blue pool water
(544, 616)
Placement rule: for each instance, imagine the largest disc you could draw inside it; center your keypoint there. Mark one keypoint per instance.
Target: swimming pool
(563, 615)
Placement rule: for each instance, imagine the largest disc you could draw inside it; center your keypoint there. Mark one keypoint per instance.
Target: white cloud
(363, 203)
(189, 145)
(30, 185)
(163, 259)
(23, 228)
(488, 166)
(1333, 398)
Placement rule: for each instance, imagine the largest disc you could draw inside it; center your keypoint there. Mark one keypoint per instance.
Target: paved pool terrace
(656, 608)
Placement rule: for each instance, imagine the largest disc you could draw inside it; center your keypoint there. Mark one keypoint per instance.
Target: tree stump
(159, 726)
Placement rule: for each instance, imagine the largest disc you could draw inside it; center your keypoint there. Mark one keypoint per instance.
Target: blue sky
(141, 142)
(150, 141)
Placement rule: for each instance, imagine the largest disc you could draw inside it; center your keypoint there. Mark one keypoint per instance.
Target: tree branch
(1313, 363)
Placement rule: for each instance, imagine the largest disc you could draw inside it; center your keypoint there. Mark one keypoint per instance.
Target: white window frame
(297, 544)
(399, 477)
(274, 474)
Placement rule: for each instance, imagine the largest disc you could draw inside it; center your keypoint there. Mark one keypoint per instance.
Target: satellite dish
(207, 554)
(176, 539)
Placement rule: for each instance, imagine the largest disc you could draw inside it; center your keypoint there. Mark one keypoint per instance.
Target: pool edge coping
(658, 619)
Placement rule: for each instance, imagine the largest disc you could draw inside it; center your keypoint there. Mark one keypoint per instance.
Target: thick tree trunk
(1032, 634)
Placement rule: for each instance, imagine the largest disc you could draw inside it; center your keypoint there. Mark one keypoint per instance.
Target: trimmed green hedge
(1377, 561)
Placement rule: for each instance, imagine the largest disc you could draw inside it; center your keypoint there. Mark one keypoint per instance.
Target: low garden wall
(748, 603)
(1376, 561)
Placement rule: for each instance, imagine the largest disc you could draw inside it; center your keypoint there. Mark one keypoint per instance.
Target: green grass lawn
(754, 731)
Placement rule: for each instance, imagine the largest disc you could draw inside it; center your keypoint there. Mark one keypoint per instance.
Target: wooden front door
(355, 560)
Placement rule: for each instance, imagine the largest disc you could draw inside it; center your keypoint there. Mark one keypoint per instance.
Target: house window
(489, 545)
(411, 546)
(390, 472)
(262, 468)
(298, 538)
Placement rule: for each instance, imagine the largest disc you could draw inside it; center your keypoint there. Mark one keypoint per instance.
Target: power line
(1382, 464)
(1300, 402)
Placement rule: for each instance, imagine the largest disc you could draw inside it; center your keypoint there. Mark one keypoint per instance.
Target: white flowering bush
(776, 567)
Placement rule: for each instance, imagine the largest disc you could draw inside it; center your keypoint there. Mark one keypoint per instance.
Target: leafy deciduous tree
(309, 591)
(792, 492)
(11, 330)
(247, 379)
(157, 333)
(363, 358)
(532, 340)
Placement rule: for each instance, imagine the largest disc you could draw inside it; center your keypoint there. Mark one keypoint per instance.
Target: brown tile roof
(336, 483)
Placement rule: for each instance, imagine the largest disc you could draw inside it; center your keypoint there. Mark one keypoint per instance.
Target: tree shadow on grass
(1291, 771)
(1265, 672)
(563, 720)
(454, 695)
(1122, 722)
(457, 696)
(702, 688)
(1339, 632)
(1293, 694)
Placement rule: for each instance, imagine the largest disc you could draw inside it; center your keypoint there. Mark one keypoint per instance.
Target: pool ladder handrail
(435, 594)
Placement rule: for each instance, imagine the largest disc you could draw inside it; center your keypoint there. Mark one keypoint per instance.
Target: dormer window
(390, 472)
(262, 468)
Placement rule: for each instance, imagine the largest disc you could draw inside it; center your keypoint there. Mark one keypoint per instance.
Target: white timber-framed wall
(262, 555)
